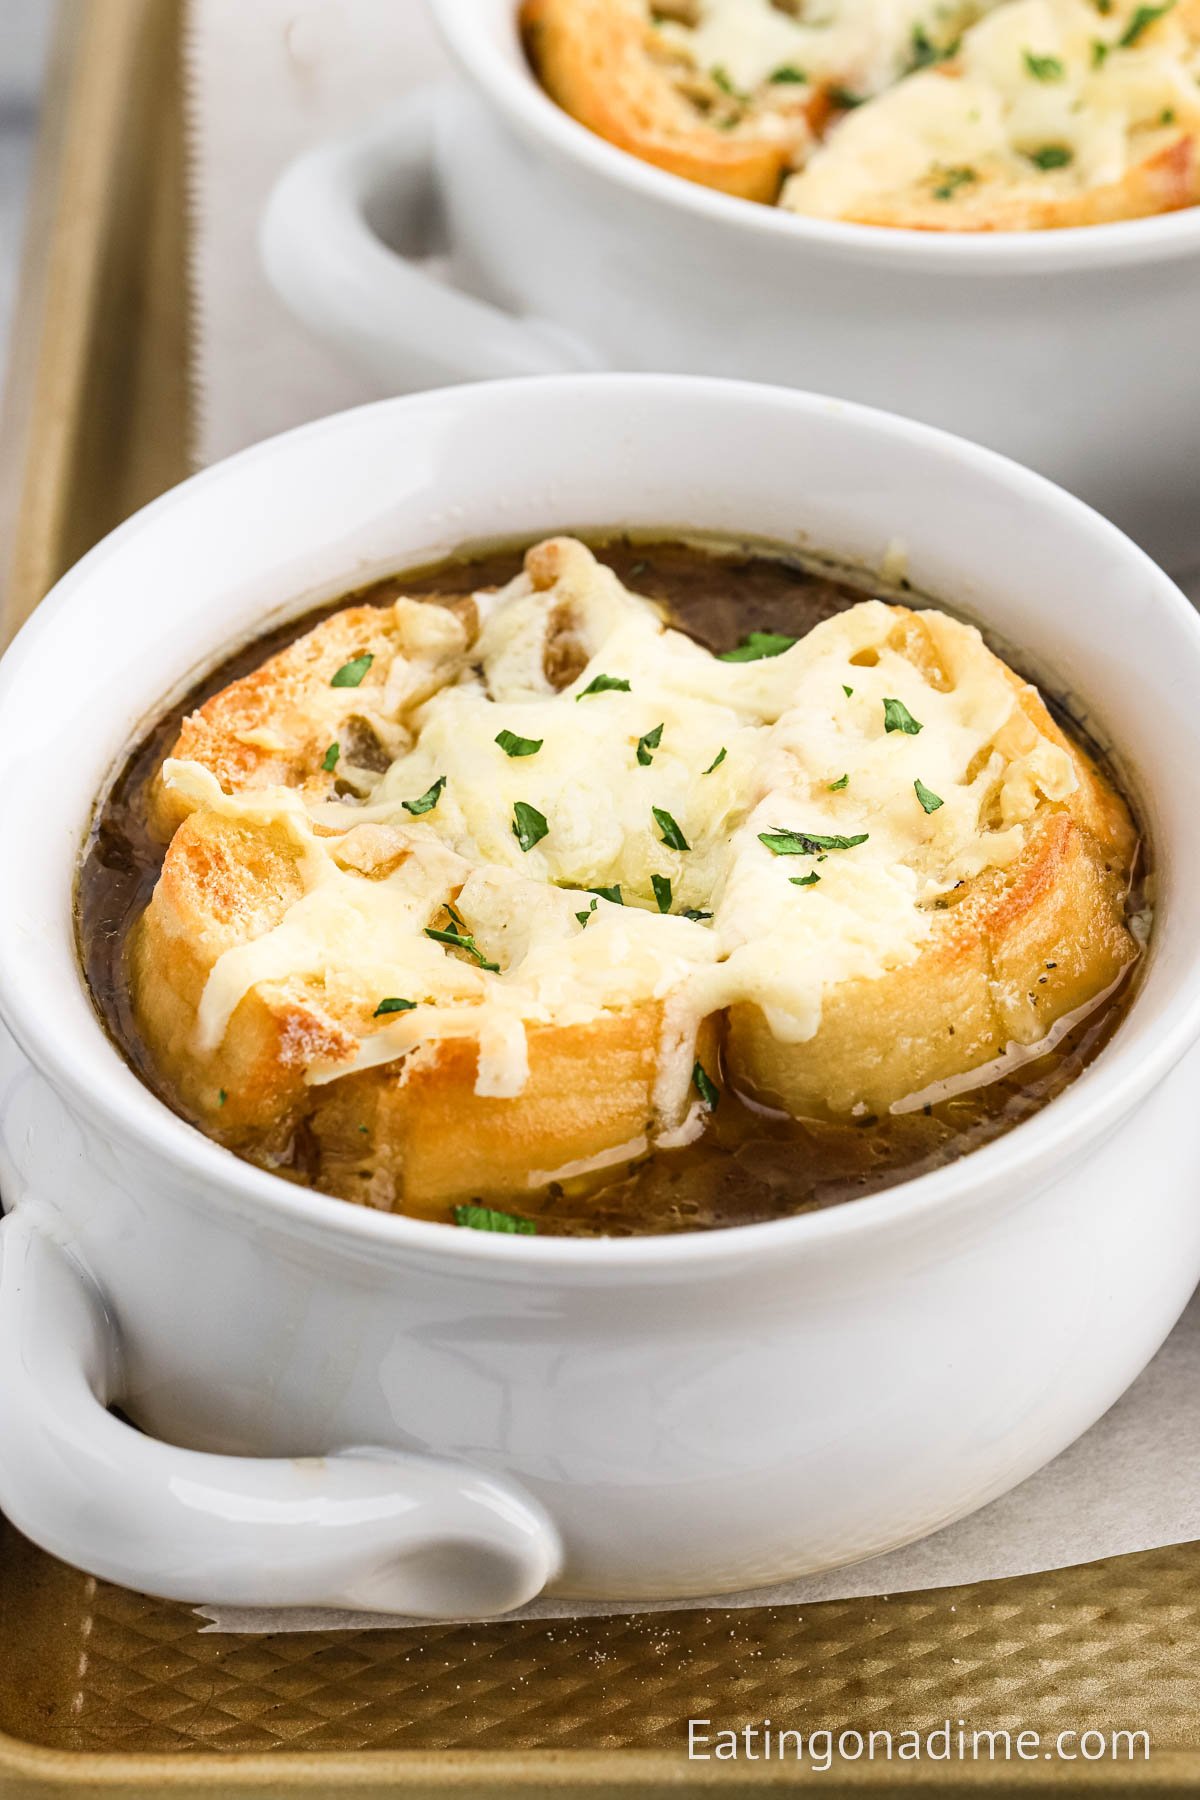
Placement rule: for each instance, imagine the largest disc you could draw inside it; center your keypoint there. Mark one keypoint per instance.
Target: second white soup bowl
(1070, 350)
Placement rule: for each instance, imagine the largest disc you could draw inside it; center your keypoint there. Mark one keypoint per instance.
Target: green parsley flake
(804, 880)
(949, 181)
(716, 762)
(1099, 53)
(672, 837)
(222, 1096)
(692, 912)
(488, 1218)
(1044, 68)
(806, 843)
(647, 744)
(583, 917)
(758, 645)
(896, 717)
(460, 940)
(393, 1006)
(604, 684)
(787, 74)
(609, 893)
(512, 745)
(662, 892)
(529, 825)
(924, 50)
(1052, 156)
(428, 799)
(1143, 18)
(835, 787)
(843, 98)
(929, 800)
(706, 1087)
(329, 760)
(847, 690)
(351, 673)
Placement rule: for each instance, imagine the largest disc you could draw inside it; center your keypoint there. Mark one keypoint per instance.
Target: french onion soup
(632, 888)
(963, 115)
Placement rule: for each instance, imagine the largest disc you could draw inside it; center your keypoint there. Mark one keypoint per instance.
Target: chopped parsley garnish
(1044, 68)
(847, 690)
(1167, 116)
(788, 74)
(692, 912)
(757, 645)
(583, 917)
(609, 893)
(672, 837)
(896, 717)
(804, 880)
(721, 77)
(924, 50)
(647, 744)
(843, 98)
(428, 799)
(1104, 6)
(1099, 53)
(222, 1096)
(329, 760)
(393, 1006)
(351, 673)
(662, 892)
(929, 800)
(529, 825)
(489, 1218)
(512, 745)
(717, 760)
(705, 1086)
(842, 781)
(458, 939)
(806, 843)
(1143, 18)
(1052, 156)
(604, 684)
(950, 180)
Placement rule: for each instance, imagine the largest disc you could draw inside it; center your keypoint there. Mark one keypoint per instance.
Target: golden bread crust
(602, 62)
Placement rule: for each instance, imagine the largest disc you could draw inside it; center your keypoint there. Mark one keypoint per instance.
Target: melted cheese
(376, 876)
(1043, 103)
(859, 45)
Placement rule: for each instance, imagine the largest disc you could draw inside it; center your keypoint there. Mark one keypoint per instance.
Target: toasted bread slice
(326, 714)
(607, 65)
(1052, 114)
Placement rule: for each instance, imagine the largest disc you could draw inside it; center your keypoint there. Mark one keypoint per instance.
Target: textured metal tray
(109, 1692)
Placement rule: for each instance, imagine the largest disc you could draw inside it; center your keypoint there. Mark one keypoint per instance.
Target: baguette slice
(1014, 952)
(604, 63)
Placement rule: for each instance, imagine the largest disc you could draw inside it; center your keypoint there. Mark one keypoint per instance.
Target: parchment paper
(265, 81)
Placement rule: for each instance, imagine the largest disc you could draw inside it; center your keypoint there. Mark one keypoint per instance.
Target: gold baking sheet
(106, 1692)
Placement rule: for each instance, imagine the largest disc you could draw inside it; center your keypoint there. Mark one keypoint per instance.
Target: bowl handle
(375, 1529)
(382, 310)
